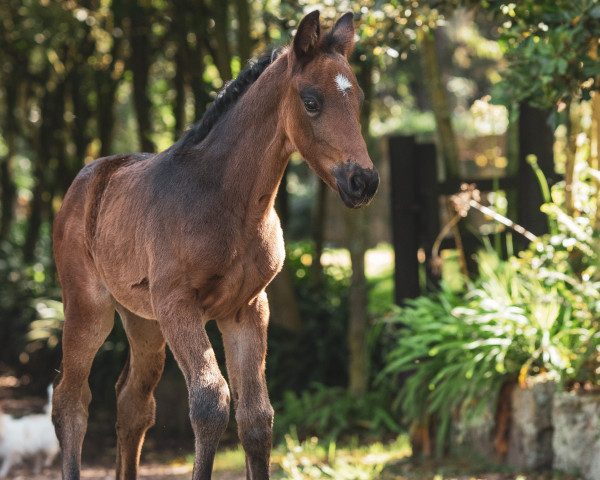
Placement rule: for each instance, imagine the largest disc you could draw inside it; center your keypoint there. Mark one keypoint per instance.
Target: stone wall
(530, 434)
(547, 430)
(576, 442)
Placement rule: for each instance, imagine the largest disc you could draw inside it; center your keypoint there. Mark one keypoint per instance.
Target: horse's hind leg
(245, 341)
(135, 401)
(89, 318)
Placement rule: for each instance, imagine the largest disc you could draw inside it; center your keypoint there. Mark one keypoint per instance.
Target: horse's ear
(343, 34)
(307, 36)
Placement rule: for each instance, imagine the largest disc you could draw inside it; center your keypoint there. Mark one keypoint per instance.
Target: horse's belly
(124, 271)
(133, 293)
(137, 300)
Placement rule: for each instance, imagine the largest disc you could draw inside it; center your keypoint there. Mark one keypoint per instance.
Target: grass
(231, 459)
(313, 459)
(316, 459)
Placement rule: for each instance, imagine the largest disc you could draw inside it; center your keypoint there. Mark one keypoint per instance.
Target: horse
(176, 239)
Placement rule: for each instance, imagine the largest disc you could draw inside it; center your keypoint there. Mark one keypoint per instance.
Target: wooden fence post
(428, 198)
(535, 137)
(404, 216)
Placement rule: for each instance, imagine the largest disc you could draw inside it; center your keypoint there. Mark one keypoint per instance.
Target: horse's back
(77, 218)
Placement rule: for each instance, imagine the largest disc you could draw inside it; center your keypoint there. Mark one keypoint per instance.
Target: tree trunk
(358, 371)
(107, 82)
(79, 86)
(439, 101)
(318, 234)
(7, 183)
(595, 134)
(50, 145)
(221, 49)
(282, 296)
(181, 66)
(243, 33)
(105, 118)
(8, 192)
(199, 50)
(140, 62)
(282, 301)
(357, 234)
(34, 222)
(595, 153)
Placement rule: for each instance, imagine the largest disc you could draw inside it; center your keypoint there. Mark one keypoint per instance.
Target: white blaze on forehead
(342, 83)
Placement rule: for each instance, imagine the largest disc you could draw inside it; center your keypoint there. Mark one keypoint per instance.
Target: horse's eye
(311, 105)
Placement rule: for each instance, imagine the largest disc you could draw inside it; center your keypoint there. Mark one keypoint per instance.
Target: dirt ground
(156, 467)
(147, 472)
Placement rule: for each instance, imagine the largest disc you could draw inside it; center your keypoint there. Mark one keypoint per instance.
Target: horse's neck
(250, 142)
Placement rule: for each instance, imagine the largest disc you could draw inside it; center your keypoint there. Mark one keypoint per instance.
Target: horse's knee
(255, 429)
(209, 407)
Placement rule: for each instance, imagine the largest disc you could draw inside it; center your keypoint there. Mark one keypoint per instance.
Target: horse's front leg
(183, 328)
(245, 341)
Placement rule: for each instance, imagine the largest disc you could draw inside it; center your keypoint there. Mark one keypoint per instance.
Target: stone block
(576, 441)
(530, 435)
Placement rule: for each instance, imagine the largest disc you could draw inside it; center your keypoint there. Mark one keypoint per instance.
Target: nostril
(357, 184)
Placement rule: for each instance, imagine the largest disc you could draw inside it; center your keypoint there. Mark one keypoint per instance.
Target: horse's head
(322, 109)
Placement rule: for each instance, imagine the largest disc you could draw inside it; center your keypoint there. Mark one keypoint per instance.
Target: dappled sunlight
(314, 458)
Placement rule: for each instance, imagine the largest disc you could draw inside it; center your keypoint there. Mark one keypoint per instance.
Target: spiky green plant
(460, 348)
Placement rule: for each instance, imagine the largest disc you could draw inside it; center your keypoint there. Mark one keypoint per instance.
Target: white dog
(29, 437)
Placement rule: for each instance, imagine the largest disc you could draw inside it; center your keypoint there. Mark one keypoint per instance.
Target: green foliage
(307, 372)
(313, 458)
(520, 317)
(27, 297)
(451, 359)
(15, 297)
(318, 354)
(331, 413)
(552, 51)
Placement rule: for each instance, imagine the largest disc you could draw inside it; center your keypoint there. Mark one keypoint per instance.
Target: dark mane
(226, 98)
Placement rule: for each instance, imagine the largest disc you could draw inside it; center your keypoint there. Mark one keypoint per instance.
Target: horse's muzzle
(356, 185)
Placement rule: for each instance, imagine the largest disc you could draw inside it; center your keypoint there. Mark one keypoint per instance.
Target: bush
(319, 353)
(331, 413)
(532, 315)
(28, 292)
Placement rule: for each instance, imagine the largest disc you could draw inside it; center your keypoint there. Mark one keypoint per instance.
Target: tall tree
(108, 75)
(13, 57)
(439, 99)
(140, 40)
(220, 48)
(357, 233)
(10, 128)
(244, 40)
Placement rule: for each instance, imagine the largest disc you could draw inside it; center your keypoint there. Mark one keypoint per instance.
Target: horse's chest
(251, 270)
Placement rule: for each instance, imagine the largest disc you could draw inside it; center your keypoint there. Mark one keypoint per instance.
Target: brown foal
(189, 235)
